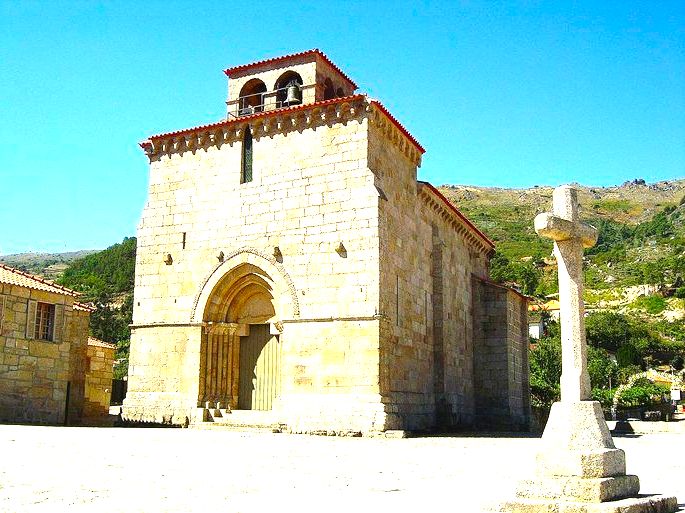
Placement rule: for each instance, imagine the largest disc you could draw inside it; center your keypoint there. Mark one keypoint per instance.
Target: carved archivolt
(231, 261)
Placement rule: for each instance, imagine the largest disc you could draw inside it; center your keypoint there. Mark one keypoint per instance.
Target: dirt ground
(53, 469)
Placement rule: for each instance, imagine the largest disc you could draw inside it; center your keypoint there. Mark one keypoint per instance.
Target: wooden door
(259, 369)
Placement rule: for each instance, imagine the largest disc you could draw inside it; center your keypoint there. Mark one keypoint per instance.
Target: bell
(293, 95)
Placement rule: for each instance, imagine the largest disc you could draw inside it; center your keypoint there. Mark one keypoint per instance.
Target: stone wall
(425, 300)
(77, 331)
(313, 197)
(35, 375)
(502, 392)
(98, 390)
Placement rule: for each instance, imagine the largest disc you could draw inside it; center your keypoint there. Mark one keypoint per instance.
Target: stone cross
(570, 237)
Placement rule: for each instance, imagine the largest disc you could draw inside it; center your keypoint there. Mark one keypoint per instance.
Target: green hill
(641, 233)
(105, 279)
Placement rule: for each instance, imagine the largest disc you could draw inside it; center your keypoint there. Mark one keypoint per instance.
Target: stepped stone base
(644, 504)
(580, 489)
(580, 470)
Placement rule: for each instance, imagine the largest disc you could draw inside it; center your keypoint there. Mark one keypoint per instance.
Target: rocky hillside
(506, 215)
(637, 268)
(47, 265)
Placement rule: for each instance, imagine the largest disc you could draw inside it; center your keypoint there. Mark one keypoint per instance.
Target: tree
(608, 330)
(602, 369)
(545, 371)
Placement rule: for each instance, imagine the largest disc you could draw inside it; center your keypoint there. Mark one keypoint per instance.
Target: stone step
(579, 489)
(240, 420)
(640, 504)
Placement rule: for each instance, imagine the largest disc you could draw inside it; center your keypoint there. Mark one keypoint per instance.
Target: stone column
(216, 364)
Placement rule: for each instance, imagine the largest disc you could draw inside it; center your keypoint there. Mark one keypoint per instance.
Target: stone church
(293, 271)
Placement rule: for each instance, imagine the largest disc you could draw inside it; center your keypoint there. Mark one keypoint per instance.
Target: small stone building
(43, 337)
(99, 364)
(290, 262)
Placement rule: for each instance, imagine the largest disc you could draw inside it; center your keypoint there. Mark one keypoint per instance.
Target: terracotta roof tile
(315, 51)
(256, 115)
(92, 341)
(11, 276)
(456, 211)
(401, 128)
(82, 307)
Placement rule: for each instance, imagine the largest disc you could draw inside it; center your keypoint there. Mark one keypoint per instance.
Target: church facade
(289, 262)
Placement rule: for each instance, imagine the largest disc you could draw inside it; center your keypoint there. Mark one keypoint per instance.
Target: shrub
(609, 330)
(643, 393)
(680, 292)
(601, 368)
(651, 304)
(604, 395)
(627, 355)
(624, 373)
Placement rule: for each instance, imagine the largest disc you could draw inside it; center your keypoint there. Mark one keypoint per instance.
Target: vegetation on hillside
(619, 346)
(105, 279)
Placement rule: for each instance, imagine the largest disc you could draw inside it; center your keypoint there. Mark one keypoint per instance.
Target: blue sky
(510, 94)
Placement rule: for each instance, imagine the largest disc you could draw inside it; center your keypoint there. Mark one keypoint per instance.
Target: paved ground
(52, 469)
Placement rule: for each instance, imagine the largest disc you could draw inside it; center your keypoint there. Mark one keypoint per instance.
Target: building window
(246, 168)
(45, 321)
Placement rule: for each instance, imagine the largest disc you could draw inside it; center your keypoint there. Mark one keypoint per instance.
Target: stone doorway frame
(218, 378)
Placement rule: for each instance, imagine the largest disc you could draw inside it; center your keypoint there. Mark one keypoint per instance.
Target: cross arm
(559, 229)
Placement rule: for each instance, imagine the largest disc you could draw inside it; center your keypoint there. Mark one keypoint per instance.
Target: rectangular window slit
(397, 300)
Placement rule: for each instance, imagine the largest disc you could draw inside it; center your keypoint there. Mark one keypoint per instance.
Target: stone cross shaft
(570, 237)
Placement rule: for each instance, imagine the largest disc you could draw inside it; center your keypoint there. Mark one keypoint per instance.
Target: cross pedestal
(579, 469)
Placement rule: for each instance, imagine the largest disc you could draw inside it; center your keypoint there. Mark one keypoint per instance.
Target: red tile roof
(92, 341)
(12, 276)
(82, 307)
(315, 51)
(398, 125)
(455, 210)
(256, 115)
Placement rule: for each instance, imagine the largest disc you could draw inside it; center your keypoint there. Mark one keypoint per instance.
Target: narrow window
(184, 240)
(246, 171)
(397, 300)
(425, 305)
(45, 321)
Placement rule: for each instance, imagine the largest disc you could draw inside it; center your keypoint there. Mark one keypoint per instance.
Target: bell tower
(297, 79)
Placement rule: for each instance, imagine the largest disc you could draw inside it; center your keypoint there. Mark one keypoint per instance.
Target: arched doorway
(240, 352)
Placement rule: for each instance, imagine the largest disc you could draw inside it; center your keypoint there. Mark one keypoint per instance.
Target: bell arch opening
(251, 97)
(240, 354)
(328, 89)
(288, 89)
